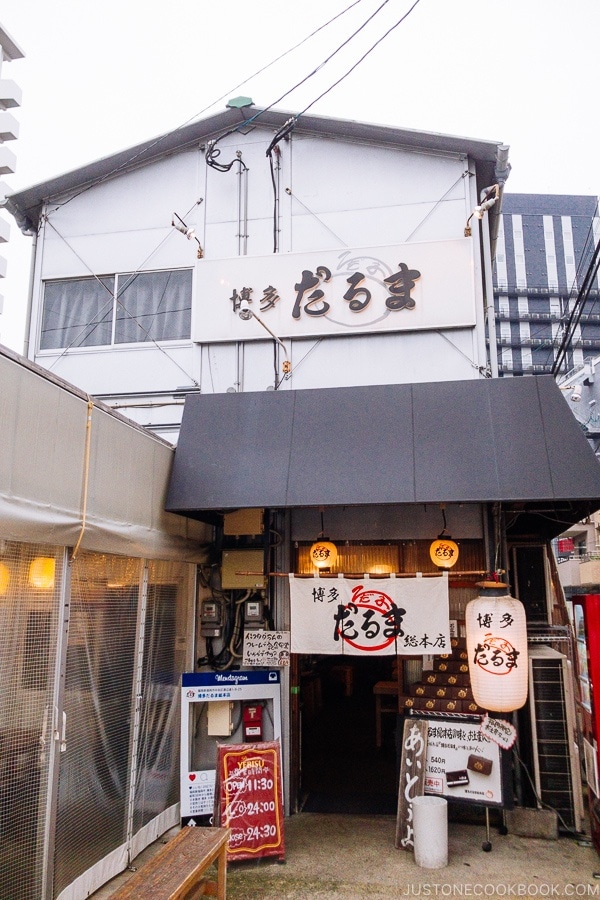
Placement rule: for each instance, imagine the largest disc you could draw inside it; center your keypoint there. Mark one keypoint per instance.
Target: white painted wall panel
(140, 368)
(341, 195)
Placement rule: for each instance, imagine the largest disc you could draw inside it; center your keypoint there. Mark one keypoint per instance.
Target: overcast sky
(100, 77)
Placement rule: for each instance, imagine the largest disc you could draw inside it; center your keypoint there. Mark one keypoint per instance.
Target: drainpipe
(30, 294)
(27, 228)
(489, 238)
(489, 299)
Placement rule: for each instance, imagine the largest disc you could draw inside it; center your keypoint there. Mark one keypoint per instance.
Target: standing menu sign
(250, 797)
(463, 763)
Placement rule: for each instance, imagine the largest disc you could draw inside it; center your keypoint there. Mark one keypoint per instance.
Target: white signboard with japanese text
(198, 786)
(266, 648)
(404, 287)
(463, 763)
(198, 793)
(369, 617)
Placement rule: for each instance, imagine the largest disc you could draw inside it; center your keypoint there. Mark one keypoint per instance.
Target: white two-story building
(305, 307)
(369, 219)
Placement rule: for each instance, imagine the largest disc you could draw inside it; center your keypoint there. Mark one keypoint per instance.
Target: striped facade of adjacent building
(545, 243)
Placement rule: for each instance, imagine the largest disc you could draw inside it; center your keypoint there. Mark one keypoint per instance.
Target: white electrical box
(219, 718)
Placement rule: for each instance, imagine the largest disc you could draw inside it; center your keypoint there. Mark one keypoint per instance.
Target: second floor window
(117, 309)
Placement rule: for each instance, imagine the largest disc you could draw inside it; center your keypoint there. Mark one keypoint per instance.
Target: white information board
(463, 763)
(266, 648)
(197, 787)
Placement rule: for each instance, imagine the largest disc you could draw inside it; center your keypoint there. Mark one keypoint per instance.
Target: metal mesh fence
(157, 774)
(99, 709)
(93, 773)
(30, 578)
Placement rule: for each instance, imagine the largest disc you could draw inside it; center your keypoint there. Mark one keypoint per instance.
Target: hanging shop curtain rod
(361, 574)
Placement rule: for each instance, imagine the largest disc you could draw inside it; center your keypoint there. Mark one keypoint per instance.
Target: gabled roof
(26, 205)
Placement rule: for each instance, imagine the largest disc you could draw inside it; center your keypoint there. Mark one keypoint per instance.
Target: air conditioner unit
(557, 768)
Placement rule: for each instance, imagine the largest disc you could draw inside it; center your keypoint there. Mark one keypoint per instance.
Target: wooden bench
(177, 872)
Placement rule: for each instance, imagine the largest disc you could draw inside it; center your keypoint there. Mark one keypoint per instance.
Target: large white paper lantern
(497, 647)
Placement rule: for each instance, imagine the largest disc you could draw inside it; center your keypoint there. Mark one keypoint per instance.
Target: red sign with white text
(251, 799)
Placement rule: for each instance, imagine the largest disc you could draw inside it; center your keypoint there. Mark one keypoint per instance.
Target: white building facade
(304, 306)
(367, 221)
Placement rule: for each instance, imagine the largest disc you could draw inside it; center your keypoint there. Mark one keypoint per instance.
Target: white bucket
(430, 826)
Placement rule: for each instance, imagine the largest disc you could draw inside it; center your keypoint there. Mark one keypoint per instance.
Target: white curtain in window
(77, 313)
(154, 306)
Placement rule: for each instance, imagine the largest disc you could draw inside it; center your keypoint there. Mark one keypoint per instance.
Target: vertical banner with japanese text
(378, 616)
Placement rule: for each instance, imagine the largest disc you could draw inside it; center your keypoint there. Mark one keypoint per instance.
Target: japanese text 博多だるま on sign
(382, 616)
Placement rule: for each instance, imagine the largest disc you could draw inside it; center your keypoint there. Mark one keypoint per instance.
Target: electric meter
(211, 618)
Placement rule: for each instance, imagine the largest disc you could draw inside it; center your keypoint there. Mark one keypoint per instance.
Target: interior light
(323, 554)
(41, 572)
(4, 579)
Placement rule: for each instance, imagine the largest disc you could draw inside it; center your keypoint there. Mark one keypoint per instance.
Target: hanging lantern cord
(444, 532)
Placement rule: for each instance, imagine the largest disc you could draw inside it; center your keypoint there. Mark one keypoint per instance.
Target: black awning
(509, 439)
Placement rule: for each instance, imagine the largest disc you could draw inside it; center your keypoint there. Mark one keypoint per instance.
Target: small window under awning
(512, 440)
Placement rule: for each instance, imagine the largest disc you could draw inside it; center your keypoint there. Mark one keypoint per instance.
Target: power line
(173, 131)
(210, 156)
(289, 126)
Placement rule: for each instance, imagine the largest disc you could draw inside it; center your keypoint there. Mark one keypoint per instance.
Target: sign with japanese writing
(412, 779)
(197, 787)
(496, 629)
(463, 763)
(266, 648)
(500, 731)
(198, 798)
(251, 799)
(369, 617)
(404, 287)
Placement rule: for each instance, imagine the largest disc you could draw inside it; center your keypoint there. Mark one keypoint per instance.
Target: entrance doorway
(342, 768)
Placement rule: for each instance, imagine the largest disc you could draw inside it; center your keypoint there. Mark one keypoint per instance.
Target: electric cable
(567, 337)
(290, 125)
(319, 220)
(568, 829)
(576, 313)
(318, 68)
(173, 131)
(213, 151)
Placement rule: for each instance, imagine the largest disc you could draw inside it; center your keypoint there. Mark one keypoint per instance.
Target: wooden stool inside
(386, 701)
(344, 674)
